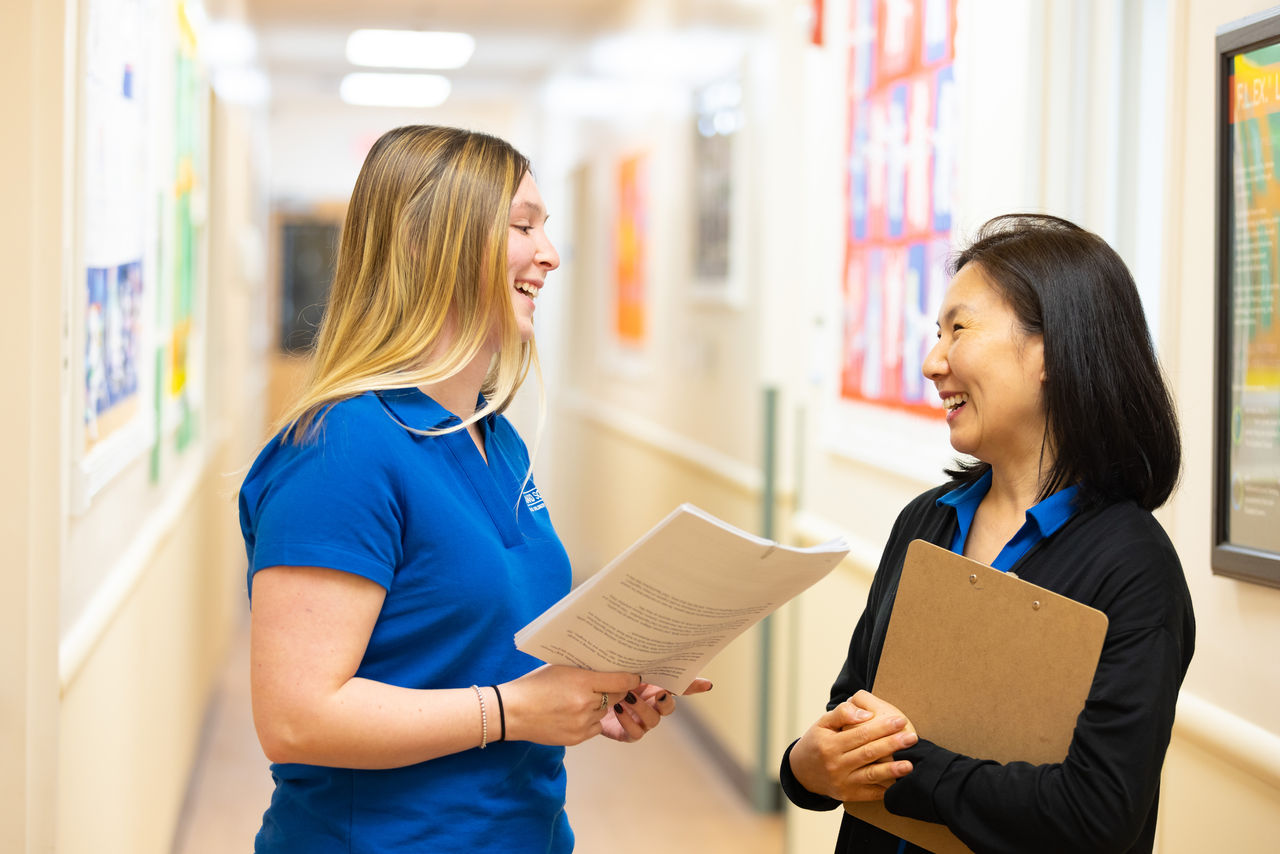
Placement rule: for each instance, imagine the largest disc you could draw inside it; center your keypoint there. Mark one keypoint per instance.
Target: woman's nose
(935, 364)
(546, 255)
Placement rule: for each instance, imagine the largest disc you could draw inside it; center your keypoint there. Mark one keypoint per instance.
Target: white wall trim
(745, 477)
(127, 572)
(900, 443)
(811, 529)
(1234, 740)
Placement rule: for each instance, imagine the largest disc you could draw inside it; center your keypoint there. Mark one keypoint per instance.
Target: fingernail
(630, 698)
(662, 698)
(908, 739)
(861, 715)
(617, 707)
(897, 722)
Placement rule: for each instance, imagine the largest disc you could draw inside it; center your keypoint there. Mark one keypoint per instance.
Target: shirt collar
(414, 409)
(1052, 513)
(1048, 516)
(965, 501)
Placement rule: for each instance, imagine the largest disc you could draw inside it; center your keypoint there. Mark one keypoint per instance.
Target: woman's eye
(523, 229)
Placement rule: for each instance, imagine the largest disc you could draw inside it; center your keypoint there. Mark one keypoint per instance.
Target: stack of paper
(668, 604)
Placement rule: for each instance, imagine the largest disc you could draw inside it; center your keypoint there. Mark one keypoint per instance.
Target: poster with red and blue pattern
(900, 167)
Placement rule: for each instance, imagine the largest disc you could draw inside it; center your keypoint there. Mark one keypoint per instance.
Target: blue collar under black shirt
(1043, 520)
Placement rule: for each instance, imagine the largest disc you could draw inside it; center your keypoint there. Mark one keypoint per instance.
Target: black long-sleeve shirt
(1103, 796)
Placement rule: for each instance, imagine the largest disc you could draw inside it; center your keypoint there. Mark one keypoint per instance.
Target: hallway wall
(31, 228)
(638, 425)
(1221, 786)
(1044, 127)
(139, 664)
(125, 589)
(1222, 780)
(106, 682)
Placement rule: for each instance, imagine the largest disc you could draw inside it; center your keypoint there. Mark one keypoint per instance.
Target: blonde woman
(396, 539)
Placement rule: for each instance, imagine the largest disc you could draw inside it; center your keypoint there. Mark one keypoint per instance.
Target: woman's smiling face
(989, 373)
(530, 255)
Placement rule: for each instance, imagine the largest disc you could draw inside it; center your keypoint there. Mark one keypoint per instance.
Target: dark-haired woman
(1045, 367)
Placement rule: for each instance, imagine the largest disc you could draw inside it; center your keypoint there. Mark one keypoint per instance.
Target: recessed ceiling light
(409, 49)
(394, 90)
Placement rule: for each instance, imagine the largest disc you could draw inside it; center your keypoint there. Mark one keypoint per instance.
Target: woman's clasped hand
(848, 753)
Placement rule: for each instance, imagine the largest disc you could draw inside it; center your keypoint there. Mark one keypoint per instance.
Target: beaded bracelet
(484, 719)
(502, 714)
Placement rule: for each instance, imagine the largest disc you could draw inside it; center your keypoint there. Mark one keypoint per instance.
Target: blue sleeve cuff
(327, 556)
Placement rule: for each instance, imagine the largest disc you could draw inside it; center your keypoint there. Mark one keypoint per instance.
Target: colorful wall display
(630, 236)
(141, 185)
(901, 162)
(116, 194)
(187, 177)
(1247, 542)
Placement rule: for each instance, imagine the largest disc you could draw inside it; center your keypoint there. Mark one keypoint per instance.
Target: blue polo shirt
(467, 557)
(1043, 520)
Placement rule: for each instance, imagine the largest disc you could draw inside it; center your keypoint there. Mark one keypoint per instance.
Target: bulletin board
(141, 154)
(1246, 542)
(900, 159)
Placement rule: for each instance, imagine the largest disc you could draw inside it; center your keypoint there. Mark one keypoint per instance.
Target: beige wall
(633, 435)
(31, 224)
(1055, 136)
(119, 610)
(1222, 781)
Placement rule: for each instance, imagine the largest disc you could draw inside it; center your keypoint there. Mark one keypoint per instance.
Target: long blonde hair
(421, 271)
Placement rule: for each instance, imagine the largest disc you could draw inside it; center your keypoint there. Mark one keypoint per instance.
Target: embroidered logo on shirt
(533, 498)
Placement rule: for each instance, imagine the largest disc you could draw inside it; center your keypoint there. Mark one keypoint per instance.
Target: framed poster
(631, 223)
(1246, 518)
(717, 194)
(900, 165)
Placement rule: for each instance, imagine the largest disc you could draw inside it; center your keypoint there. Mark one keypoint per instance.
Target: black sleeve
(1101, 798)
(798, 794)
(864, 645)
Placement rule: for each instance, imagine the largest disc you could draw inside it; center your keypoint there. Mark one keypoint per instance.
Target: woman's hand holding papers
(848, 753)
(642, 709)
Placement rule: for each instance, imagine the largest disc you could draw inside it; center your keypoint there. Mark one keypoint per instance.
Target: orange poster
(630, 234)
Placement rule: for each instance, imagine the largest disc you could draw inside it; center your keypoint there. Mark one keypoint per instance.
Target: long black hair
(1110, 421)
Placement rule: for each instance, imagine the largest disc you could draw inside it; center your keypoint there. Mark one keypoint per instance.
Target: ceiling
(300, 43)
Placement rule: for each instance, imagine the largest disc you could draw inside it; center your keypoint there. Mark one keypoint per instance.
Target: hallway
(660, 793)
(753, 204)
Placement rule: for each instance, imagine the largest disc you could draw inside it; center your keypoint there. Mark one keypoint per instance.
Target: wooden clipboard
(985, 664)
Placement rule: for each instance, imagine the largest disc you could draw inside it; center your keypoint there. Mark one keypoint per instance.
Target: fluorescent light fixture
(394, 90)
(690, 56)
(247, 86)
(228, 43)
(613, 98)
(409, 49)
